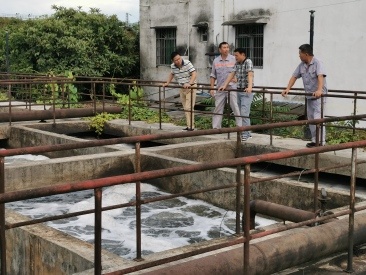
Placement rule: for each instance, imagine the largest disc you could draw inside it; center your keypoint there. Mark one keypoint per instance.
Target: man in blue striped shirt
(185, 74)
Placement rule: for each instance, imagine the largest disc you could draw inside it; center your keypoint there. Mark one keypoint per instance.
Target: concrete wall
(42, 250)
(22, 136)
(48, 172)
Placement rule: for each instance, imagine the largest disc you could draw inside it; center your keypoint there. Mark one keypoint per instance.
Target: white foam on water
(182, 226)
(165, 225)
(23, 158)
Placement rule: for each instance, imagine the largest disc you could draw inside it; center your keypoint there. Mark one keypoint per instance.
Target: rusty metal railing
(143, 176)
(138, 176)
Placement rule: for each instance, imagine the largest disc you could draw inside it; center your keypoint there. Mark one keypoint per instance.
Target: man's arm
(250, 82)
(227, 81)
(170, 78)
(212, 85)
(318, 93)
(191, 80)
(291, 83)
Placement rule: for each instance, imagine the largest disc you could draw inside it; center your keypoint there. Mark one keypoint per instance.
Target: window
(165, 45)
(203, 35)
(250, 37)
(202, 28)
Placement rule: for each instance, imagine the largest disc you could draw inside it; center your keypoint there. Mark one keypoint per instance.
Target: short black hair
(223, 43)
(174, 54)
(306, 48)
(241, 51)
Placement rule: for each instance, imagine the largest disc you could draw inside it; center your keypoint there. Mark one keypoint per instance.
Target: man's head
(240, 55)
(224, 48)
(176, 58)
(306, 53)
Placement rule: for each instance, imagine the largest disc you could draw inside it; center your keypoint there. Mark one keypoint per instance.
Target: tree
(86, 43)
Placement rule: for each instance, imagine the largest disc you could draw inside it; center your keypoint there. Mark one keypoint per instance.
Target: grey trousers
(220, 100)
(313, 109)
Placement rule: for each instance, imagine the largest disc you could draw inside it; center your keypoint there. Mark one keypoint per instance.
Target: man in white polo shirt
(185, 74)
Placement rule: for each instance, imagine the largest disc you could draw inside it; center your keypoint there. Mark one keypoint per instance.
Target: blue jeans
(245, 101)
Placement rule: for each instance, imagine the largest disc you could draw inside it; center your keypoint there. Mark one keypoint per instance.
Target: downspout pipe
(273, 254)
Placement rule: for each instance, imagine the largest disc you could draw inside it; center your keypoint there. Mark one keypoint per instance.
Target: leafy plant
(139, 110)
(53, 92)
(337, 132)
(4, 96)
(136, 94)
(98, 121)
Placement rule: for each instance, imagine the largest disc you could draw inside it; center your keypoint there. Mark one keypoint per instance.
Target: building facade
(271, 32)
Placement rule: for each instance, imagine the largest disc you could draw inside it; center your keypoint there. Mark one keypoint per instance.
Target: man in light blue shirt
(313, 75)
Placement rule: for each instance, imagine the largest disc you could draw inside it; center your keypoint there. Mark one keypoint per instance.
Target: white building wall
(339, 39)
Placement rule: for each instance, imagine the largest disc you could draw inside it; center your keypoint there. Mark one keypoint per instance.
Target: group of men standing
(233, 76)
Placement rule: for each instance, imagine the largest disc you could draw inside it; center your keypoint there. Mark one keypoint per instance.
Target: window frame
(166, 43)
(251, 38)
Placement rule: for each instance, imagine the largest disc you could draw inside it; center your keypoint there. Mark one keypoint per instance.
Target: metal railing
(56, 98)
(140, 176)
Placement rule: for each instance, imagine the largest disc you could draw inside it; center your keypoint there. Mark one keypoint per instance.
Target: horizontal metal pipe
(278, 211)
(271, 255)
(59, 113)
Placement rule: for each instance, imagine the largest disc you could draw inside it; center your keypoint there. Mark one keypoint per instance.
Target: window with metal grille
(165, 45)
(250, 37)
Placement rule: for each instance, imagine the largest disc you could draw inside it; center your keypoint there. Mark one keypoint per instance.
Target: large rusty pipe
(278, 211)
(271, 255)
(57, 114)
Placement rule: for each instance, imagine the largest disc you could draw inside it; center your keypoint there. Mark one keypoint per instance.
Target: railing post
(103, 101)
(67, 97)
(138, 202)
(228, 112)
(129, 106)
(246, 214)
(9, 97)
(94, 98)
(316, 174)
(271, 118)
(98, 231)
(192, 107)
(53, 103)
(2, 218)
(238, 184)
(352, 214)
(28, 99)
(160, 107)
(354, 113)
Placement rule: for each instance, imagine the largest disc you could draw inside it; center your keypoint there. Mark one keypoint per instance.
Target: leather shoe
(310, 144)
